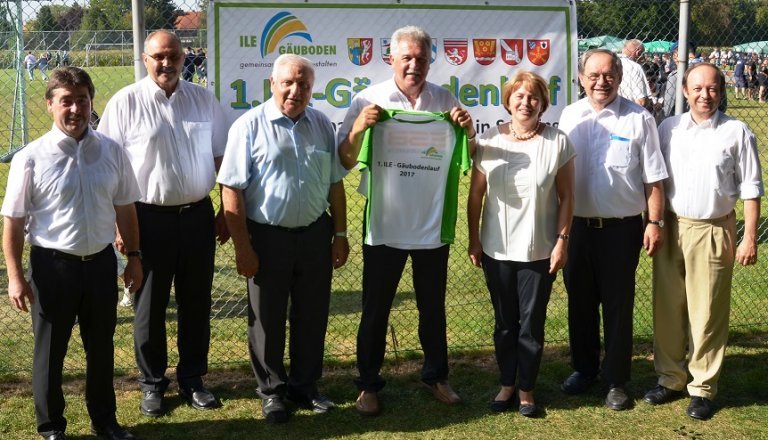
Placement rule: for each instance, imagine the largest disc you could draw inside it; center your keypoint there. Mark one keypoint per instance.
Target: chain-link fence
(84, 35)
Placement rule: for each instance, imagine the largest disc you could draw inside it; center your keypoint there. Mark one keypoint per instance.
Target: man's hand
(247, 261)
(746, 252)
(475, 251)
(19, 291)
(462, 118)
(367, 118)
(339, 251)
(119, 245)
(653, 239)
(559, 256)
(133, 275)
(222, 231)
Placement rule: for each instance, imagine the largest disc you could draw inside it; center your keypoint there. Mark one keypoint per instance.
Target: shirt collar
(61, 138)
(274, 114)
(712, 122)
(613, 107)
(155, 90)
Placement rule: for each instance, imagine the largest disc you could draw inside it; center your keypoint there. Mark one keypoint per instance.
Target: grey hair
(615, 61)
(154, 34)
(633, 44)
(410, 33)
(288, 59)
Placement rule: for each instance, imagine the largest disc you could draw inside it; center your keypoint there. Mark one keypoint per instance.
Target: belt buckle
(183, 207)
(88, 257)
(595, 222)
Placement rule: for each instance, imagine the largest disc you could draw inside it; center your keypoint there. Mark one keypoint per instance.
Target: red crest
(360, 50)
(485, 50)
(538, 51)
(456, 50)
(512, 51)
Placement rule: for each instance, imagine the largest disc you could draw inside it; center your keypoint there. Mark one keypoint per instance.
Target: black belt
(296, 230)
(600, 222)
(175, 209)
(65, 256)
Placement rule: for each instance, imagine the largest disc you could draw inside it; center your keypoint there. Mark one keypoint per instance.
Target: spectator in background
(753, 83)
(56, 59)
(65, 58)
(634, 85)
(30, 61)
(740, 77)
(762, 78)
(200, 65)
(42, 64)
(188, 69)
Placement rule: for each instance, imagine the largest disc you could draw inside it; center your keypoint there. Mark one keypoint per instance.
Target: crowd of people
(586, 197)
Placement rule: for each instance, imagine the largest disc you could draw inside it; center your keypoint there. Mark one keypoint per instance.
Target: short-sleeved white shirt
(433, 98)
(711, 165)
(617, 152)
(634, 85)
(171, 142)
(520, 210)
(68, 190)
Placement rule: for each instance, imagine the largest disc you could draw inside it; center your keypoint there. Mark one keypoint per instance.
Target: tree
(107, 15)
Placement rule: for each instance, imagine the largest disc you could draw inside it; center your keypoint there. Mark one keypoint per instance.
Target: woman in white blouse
(524, 171)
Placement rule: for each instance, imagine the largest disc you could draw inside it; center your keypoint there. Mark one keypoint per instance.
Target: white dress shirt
(68, 191)
(711, 165)
(617, 152)
(386, 94)
(171, 142)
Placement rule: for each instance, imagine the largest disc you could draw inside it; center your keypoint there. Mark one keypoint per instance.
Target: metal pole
(139, 71)
(682, 54)
(20, 72)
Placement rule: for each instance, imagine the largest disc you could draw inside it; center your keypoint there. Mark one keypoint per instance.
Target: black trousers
(601, 271)
(67, 290)
(179, 248)
(382, 270)
(294, 278)
(519, 293)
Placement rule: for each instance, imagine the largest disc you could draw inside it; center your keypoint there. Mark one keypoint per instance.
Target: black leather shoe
(700, 408)
(500, 406)
(577, 383)
(199, 397)
(112, 431)
(317, 403)
(273, 409)
(617, 399)
(661, 394)
(529, 410)
(152, 404)
(57, 435)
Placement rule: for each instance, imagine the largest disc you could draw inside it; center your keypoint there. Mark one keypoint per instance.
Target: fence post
(682, 54)
(137, 6)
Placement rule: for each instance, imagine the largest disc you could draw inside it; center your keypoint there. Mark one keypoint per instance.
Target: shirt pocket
(619, 153)
(724, 170)
(319, 166)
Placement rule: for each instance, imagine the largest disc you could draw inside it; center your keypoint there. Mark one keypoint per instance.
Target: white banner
(475, 49)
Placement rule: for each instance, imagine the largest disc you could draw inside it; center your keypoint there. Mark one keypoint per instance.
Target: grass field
(470, 321)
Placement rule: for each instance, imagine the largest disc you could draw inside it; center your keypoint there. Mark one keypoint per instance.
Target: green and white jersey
(414, 160)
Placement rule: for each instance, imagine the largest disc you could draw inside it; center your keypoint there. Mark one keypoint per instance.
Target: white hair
(413, 34)
(288, 59)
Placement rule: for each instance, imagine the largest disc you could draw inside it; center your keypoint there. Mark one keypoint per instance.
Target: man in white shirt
(712, 161)
(619, 173)
(634, 85)
(68, 189)
(174, 133)
(383, 264)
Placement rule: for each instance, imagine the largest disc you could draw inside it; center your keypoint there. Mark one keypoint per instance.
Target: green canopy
(658, 46)
(601, 41)
(760, 47)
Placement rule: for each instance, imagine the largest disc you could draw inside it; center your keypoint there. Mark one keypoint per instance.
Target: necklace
(525, 136)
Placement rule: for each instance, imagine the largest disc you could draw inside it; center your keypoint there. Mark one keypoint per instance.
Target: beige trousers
(692, 276)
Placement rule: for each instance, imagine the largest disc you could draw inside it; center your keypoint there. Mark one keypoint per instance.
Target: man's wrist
(340, 234)
(134, 254)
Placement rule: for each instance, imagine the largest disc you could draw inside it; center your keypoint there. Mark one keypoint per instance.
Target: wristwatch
(136, 254)
(659, 223)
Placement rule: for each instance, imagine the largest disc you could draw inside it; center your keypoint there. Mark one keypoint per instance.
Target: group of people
(43, 62)
(549, 198)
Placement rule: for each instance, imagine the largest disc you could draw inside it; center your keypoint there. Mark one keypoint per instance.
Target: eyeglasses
(172, 59)
(607, 77)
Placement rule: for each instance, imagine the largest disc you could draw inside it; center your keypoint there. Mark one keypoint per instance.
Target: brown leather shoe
(367, 403)
(443, 392)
